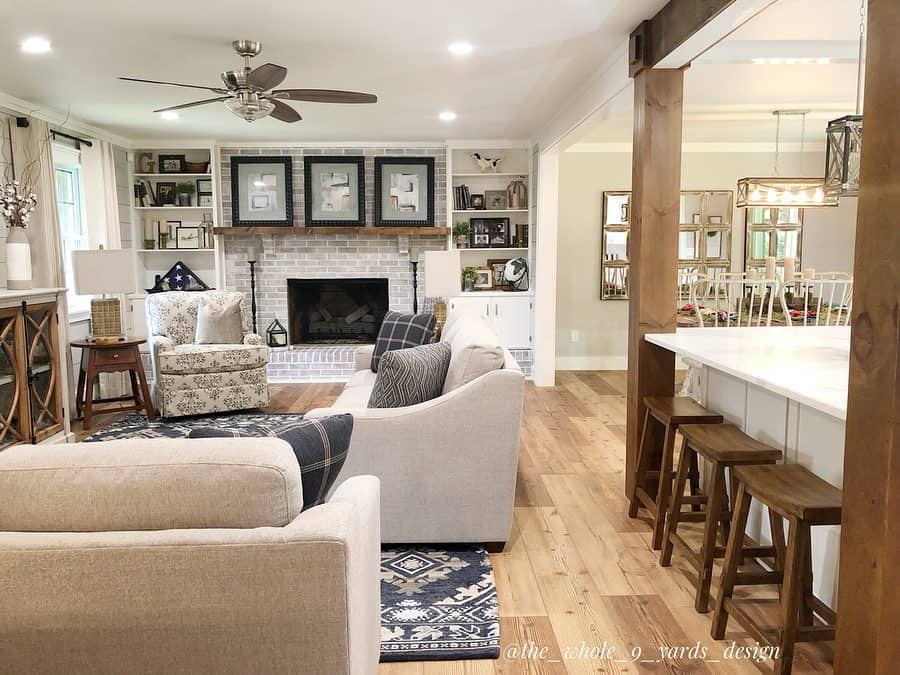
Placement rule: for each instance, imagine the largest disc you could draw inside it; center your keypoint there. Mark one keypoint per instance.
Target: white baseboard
(591, 362)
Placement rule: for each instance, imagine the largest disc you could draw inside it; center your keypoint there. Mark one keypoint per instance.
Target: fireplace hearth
(336, 311)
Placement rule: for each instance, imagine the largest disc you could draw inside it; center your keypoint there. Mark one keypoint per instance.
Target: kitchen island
(787, 387)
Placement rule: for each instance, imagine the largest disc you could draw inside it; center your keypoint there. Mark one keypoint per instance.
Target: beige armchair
(184, 556)
(191, 379)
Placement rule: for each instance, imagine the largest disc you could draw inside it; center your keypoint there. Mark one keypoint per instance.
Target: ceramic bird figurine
(485, 163)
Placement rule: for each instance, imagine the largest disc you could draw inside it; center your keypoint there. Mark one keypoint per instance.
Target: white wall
(602, 326)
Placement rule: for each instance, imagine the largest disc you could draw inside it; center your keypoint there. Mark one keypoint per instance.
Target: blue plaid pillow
(399, 331)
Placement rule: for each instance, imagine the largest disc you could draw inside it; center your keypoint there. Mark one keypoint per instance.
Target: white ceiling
(728, 98)
(530, 56)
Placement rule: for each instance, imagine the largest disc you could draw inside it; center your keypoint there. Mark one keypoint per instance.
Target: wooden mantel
(381, 231)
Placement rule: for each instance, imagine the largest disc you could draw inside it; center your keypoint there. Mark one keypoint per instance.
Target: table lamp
(101, 272)
(442, 280)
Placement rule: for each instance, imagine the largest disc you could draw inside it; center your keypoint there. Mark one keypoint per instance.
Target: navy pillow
(320, 446)
(399, 331)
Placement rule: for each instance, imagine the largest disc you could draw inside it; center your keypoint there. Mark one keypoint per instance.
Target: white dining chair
(824, 300)
(734, 299)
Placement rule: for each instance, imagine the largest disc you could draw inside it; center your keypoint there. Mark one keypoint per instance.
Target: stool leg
(776, 527)
(806, 612)
(695, 480)
(729, 572)
(640, 469)
(791, 594)
(684, 461)
(665, 487)
(717, 498)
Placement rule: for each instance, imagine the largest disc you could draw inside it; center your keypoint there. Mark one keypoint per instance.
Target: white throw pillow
(474, 351)
(219, 325)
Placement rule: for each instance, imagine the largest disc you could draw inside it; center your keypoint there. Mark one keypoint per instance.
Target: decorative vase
(468, 285)
(184, 199)
(149, 244)
(517, 194)
(18, 260)
(462, 241)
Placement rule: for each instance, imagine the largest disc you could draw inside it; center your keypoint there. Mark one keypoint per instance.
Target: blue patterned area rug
(438, 604)
(246, 424)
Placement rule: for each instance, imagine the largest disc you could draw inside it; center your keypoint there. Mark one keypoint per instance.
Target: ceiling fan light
(250, 108)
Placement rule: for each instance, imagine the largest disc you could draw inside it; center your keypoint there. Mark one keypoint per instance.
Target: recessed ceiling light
(460, 48)
(35, 45)
(447, 116)
(169, 115)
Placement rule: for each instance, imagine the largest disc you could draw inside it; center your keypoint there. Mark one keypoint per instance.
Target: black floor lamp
(251, 259)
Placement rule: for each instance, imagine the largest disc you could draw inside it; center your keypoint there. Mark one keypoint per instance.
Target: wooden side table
(114, 357)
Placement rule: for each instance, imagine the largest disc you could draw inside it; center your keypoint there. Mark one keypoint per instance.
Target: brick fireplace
(335, 311)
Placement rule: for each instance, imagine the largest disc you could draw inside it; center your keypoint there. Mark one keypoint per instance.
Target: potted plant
(461, 231)
(17, 204)
(468, 278)
(185, 192)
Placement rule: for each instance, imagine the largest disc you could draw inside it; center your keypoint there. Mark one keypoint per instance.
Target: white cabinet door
(512, 321)
(482, 307)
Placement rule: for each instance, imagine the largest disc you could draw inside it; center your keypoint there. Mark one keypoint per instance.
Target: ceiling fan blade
(191, 105)
(267, 76)
(324, 96)
(284, 112)
(216, 90)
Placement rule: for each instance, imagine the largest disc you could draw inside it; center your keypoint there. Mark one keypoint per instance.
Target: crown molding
(730, 147)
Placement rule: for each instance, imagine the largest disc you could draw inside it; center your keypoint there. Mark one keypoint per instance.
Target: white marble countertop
(809, 365)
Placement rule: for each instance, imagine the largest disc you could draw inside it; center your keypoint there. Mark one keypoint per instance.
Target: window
(773, 232)
(72, 221)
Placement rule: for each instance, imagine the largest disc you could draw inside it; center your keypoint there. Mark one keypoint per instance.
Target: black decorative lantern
(842, 156)
(276, 335)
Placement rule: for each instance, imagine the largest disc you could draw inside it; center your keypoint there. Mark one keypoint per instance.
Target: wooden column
(868, 607)
(653, 248)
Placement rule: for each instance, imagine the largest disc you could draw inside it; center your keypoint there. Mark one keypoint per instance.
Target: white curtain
(98, 170)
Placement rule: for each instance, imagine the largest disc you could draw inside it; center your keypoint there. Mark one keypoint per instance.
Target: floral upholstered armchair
(195, 379)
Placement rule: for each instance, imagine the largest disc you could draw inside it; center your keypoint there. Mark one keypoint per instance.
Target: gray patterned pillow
(410, 376)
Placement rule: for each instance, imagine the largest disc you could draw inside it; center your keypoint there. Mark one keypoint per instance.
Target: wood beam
(653, 248)
(868, 611)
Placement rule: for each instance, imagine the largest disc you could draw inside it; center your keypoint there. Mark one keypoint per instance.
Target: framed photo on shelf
(165, 193)
(404, 191)
(188, 236)
(495, 200)
(262, 191)
(166, 230)
(204, 186)
(484, 279)
(476, 202)
(204, 199)
(335, 190)
(171, 164)
(498, 269)
(143, 162)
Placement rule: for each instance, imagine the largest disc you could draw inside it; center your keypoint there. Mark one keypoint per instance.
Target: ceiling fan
(249, 92)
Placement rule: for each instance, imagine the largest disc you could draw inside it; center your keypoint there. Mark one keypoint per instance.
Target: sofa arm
(364, 357)
(301, 598)
(253, 339)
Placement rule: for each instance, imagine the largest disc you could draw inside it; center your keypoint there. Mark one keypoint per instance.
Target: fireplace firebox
(336, 311)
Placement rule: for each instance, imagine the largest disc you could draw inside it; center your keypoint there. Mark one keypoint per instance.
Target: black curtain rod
(71, 138)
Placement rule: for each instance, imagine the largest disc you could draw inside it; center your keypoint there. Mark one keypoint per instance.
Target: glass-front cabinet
(30, 393)
(773, 232)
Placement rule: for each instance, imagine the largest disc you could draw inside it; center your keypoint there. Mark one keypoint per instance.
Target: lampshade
(777, 192)
(842, 156)
(103, 271)
(442, 274)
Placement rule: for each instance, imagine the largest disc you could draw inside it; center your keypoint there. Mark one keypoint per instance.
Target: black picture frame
(179, 237)
(163, 159)
(208, 203)
(309, 162)
(204, 186)
(489, 233)
(476, 202)
(382, 163)
(236, 220)
(165, 193)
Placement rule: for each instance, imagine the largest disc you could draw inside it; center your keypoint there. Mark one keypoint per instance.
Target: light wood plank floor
(577, 572)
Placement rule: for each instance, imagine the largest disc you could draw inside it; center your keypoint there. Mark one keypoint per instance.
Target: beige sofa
(183, 556)
(447, 466)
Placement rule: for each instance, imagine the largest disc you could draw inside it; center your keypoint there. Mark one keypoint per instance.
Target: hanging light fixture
(843, 149)
(777, 192)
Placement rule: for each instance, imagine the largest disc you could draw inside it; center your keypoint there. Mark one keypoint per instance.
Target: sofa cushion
(410, 376)
(399, 331)
(353, 397)
(361, 378)
(475, 350)
(149, 484)
(219, 323)
(320, 446)
(186, 359)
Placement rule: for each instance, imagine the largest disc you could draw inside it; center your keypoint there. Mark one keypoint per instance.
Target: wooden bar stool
(653, 474)
(725, 447)
(804, 500)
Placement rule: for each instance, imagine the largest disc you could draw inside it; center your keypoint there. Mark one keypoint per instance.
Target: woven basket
(106, 320)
